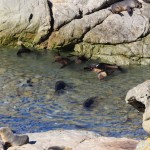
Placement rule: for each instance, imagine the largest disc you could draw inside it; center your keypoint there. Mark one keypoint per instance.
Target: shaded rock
(139, 97)
(120, 54)
(23, 49)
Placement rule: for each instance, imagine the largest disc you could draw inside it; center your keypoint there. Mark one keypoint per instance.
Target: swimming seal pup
(103, 69)
(59, 85)
(62, 60)
(80, 59)
(11, 139)
(22, 49)
(125, 5)
(89, 102)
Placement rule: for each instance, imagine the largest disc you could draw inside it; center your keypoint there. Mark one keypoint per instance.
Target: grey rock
(64, 23)
(64, 13)
(118, 29)
(139, 97)
(76, 29)
(24, 20)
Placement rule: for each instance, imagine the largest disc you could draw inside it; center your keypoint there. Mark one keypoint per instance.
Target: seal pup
(103, 69)
(80, 59)
(12, 139)
(125, 5)
(89, 102)
(62, 60)
(22, 49)
(100, 73)
(109, 68)
(60, 87)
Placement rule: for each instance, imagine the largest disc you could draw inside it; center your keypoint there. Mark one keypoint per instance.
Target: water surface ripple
(35, 107)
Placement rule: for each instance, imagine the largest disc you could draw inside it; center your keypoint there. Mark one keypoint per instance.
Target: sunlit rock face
(75, 140)
(87, 26)
(28, 21)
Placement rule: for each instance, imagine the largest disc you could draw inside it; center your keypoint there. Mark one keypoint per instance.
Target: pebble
(2, 71)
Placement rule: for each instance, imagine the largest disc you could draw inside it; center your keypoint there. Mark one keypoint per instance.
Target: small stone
(2, 70)
(27, 93)
(48, 97)
(35, 80)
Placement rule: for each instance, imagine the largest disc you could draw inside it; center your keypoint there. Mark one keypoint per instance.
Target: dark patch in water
(36, 113)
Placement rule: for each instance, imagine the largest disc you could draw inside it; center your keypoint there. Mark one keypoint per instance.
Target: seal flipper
(6, 145)
(130, 11)
(120, 14)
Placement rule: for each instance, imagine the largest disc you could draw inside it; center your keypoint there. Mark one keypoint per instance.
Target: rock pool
(28, 102)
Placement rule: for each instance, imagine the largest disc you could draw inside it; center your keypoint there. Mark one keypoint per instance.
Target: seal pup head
(102, 75)
(6, 133)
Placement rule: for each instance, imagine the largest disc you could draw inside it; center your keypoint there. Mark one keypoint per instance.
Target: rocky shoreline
(75, 140)
(86, 27)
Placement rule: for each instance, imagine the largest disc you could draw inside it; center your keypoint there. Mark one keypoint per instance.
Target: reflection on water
(35, 108)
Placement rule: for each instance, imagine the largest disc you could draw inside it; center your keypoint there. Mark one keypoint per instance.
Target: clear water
(36, 108)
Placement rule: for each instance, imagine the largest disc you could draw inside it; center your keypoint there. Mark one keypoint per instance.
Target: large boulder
(99, 34)
(75, 140)
(74, 31)
(28, 21)
(84, 25)
(119, 29)
(139, 97)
